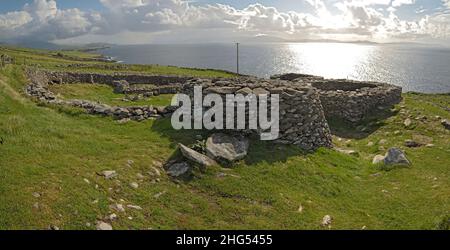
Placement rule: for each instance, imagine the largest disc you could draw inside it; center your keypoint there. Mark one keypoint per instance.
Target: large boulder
(395, 156)
(226, 148)
(196, 157)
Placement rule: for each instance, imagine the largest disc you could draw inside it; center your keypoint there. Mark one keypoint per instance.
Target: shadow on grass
(259, 151)
(363, 129)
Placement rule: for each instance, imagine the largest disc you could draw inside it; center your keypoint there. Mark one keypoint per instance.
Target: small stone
(397, 132)
(112, 217)
(412, 144)
(429, 145)
(123, 121)
(134, 185)
(395, 156)
(155, 172)
(134, 207)
(117, 207)
(36, 195)
(300, 209)
(407, 122)
(157, 164)
(347, 151)
(159, 194)
(103, 226)
(378, 159)
(221, 175)
(87, 181)
(54, 228)
(140, 176)
(370, 144)
(109, 174)
(326, 221)
(382, 142)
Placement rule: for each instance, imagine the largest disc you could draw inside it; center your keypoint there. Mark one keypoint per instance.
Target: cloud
(42, 20)
(352, 19)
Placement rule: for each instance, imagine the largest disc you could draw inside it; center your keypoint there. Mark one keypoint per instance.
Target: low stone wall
(302, 120)
(54, 77)
(38, 89)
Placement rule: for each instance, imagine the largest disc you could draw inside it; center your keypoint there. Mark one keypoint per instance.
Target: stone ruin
(348, 100)
(306, 102)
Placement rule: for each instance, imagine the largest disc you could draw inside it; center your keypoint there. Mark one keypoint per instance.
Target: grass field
(50, 60)
(104, 94)
(50, 157)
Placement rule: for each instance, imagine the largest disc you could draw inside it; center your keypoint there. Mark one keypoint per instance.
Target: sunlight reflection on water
(331, 61)
(414, 67)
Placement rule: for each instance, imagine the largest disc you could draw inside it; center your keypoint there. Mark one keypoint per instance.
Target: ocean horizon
(414, 67)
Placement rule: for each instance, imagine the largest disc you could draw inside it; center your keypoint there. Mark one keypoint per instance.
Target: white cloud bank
(140, 21)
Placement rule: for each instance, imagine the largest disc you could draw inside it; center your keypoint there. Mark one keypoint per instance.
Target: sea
(415, 67)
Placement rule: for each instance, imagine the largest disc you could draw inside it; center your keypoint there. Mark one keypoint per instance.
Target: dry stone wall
(38, 88)
(347, 99)
(306, 102)
(81, 77)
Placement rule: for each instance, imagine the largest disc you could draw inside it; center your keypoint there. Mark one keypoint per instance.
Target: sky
(195, 21)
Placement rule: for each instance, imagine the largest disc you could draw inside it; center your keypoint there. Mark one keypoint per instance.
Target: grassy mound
(51, 157)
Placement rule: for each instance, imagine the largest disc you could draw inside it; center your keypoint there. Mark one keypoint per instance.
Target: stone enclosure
(306, 102)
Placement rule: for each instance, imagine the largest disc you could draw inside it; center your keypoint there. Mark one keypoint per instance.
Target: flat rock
(223, 147)
(103, 226)
(134, 207)
(178, 169)
(395, 156)
(412, 144)
(347, 151)
(134, 185)
(196, 157)
(117, 207)
(326, 221)
(109, 174)
(378, 159)
(407, 122)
